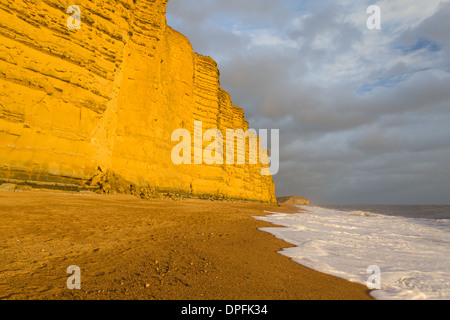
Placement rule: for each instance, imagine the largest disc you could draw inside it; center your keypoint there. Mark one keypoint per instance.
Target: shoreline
(129, 248)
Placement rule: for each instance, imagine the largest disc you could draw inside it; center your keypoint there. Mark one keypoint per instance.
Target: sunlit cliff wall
(109, 95)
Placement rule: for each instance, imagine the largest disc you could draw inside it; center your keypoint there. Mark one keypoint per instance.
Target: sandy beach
(129, 248)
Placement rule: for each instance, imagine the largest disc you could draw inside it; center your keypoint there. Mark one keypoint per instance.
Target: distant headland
(295, 200)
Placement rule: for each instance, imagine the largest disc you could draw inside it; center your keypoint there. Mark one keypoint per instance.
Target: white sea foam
(413, 254)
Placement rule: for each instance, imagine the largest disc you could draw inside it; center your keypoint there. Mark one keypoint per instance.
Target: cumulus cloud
(363, 114)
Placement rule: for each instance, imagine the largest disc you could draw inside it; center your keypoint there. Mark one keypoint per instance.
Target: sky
(364, 115)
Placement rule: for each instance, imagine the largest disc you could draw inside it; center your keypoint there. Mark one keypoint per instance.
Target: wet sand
(128, 248)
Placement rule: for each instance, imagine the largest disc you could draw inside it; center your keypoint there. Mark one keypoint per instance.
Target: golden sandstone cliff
(109, 95)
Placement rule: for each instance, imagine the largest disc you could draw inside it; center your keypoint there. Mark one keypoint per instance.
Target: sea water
(409, 244)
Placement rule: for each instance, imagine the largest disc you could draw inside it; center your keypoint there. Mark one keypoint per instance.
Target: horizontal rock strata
(109, 95)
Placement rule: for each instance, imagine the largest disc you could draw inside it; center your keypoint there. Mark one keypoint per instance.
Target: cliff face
(109, 95)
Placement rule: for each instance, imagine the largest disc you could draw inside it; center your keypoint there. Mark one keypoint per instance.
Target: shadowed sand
(128, 248)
